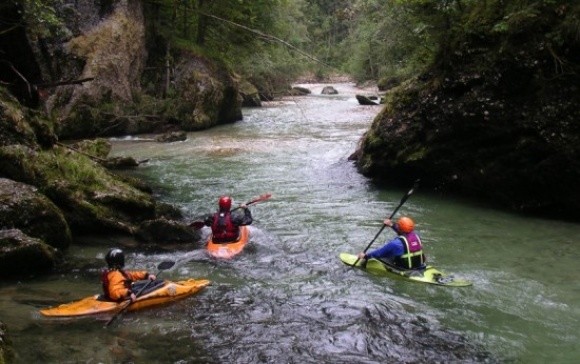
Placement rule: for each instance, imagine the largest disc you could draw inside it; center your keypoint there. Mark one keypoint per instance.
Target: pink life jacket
(413, 257)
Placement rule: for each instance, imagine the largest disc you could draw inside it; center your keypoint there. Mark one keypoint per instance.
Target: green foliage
(76, 169)
(387, 39)
(247, 35)
(40, 17)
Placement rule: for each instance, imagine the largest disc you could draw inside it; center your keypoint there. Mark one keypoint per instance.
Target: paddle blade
(165, 265)
(197, 224)
(260, 198)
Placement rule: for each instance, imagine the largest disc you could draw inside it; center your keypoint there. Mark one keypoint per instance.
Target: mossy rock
(22, 255)
(23, 207)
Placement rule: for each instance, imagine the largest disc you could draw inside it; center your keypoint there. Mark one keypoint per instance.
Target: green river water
(287, 298)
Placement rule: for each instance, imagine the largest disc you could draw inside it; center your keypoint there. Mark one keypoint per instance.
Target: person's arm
(208, 220)
(240, 219)
(137, 276)
(392, 225)
(140, 275)
(390, 250)
(247, 217)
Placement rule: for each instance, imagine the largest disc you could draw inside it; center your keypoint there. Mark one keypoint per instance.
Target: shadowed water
(288, 298)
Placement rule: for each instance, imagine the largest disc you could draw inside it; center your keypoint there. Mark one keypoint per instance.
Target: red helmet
(225, 203)
(405, 225)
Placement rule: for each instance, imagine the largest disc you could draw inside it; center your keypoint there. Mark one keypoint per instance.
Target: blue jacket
(391, 250)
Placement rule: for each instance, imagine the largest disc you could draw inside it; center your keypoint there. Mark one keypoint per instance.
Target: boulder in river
(22, 255)
(365, 100)
(23, 207)
(329, 90)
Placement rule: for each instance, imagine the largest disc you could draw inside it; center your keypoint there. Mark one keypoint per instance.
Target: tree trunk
(201, 23)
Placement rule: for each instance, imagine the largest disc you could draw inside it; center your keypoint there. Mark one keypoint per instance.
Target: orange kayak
(229, 250)
(93, 305)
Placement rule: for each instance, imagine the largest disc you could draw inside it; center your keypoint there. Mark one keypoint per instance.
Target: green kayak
(428, 275)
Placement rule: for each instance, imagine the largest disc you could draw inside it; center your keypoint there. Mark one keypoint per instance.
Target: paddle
(415, 185)
(263, 197)
(161, 267)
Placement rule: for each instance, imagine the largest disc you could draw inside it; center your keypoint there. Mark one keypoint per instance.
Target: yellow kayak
(168, 292)
(427, 275)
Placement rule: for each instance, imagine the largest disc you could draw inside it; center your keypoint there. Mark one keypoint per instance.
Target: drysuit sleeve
(240, 218)
(208, 220)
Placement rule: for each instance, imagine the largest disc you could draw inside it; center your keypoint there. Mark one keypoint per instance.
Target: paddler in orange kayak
(117, 282)
(225, 225)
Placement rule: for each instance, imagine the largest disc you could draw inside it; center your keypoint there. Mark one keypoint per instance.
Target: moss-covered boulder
(24, 208)
(91, 198)
(163, 231)
(208, 93)
(22, 255)
(20, 125)
(250, 94)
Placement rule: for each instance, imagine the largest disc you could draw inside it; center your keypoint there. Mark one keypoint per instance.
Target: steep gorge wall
(496, 118)
(103, 46)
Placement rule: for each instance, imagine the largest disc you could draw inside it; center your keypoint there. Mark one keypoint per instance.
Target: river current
(288, 298)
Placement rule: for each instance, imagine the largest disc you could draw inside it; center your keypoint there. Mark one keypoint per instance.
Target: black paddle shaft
(403, 200)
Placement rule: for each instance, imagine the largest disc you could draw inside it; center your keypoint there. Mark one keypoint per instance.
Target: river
(287, 297)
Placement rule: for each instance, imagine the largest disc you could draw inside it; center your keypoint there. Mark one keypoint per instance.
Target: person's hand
(133, 297)
(388, 222)
(152, 277)
(361, 256)
(243, 206)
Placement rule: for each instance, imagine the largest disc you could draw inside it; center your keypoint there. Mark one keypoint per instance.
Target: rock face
(250, 94)
(24, 208)
(104, 46)
(208, 94)
(494, 120)
(21, 255)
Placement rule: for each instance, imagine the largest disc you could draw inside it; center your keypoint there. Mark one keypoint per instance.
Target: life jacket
(105, 282)
(223, 229)
(413, 257)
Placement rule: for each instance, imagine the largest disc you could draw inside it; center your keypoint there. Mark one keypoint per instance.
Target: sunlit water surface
(288, 298)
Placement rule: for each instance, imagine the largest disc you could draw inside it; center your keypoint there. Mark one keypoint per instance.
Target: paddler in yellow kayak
(405, 251)
(117, 282)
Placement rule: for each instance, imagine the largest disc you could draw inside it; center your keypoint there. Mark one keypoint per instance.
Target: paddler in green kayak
(405, 251)
(117, 282)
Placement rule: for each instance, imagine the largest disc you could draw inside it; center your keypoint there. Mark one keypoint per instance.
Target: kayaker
(117, 282)
(225, 223)
(405, 251)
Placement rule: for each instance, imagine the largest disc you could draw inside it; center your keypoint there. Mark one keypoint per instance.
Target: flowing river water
(287, 298)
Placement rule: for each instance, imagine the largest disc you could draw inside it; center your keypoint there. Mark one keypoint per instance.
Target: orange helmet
(405, 225)
(225, 203)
